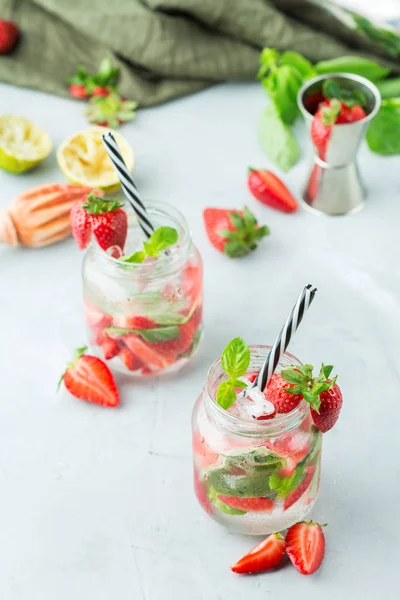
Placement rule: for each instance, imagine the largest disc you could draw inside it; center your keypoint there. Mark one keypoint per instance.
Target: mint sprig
(331, 89)
(161, 238)
(235, 361)
(301, 377)
(153, 336)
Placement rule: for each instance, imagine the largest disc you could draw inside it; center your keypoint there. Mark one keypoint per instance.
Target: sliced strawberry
(201, 494)
(264, 556)
(248, 504)
(293, 460)
(134, 322)
(268, 189)
(89, 378)
(191, 281)
(305, 546)
(204, 455)
(130, 360)
(301, 488)
(110, 348)
(148, 354)
(186, 334)
(95, 317)
(78, 90)
(233, 232)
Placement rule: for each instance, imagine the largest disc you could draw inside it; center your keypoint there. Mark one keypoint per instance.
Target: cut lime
(83, 159)
(23, 145)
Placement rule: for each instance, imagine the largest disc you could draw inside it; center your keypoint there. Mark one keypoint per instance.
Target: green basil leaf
(390, 88)
(302, 64)
(282, 85)
(235, 358)
(383, 135)
(388, 39)
(277, 140)
(237, 383)
(226, 395)
(352, 64)
(136, 257)
(160, 239)
(161, 334)
(169, 319)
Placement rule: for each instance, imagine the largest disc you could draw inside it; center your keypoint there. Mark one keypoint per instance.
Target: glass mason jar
(254, 476)
(145, 319)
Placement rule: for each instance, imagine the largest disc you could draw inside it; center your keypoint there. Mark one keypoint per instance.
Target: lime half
(23, 145)
(83, 159)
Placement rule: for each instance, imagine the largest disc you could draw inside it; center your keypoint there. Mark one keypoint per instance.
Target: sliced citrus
(23, 144)
(83, 159)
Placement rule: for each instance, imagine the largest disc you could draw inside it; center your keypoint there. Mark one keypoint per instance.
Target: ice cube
(253, 404)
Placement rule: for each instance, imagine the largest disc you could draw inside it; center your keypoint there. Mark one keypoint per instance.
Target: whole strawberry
(109, 222)
(322, 393)
(9, 34)
(233, 232)
(80, 219)
(277, 393)
(89, 378)
(268, 189)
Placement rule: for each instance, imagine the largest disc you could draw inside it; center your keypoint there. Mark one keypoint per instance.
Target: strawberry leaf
(227, 233)
(292, 376)
(237, 220)
(226, 395)
(249, 218)
(326, 370)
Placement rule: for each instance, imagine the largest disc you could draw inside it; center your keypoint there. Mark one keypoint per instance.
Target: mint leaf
(286, 485)
(331, 89)
(352, 64)
(282, 85)
(226, 395)
(136, 257)
(162, 334)
(162, 238)
(383, 135)
(237, 383)
(235, 358)
(302, 64)
(277, 140)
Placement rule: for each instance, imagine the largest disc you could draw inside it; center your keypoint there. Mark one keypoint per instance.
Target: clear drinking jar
(254, 476)
(145, 319)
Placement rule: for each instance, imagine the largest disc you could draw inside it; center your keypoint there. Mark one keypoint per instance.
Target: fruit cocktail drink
(255, 474)
(143, 305)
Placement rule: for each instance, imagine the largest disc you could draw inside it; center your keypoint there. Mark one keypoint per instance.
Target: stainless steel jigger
(334, 186)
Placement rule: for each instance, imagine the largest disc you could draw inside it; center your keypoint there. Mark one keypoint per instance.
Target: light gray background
(98, 504)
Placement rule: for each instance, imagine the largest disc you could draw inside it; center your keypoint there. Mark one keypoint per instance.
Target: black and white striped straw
(282, 341)
(128, 185)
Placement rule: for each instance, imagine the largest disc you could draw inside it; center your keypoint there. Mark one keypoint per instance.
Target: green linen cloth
(164, 48)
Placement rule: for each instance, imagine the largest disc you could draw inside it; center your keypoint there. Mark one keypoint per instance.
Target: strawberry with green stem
(233, 232)
(322, 393)
(85, 85)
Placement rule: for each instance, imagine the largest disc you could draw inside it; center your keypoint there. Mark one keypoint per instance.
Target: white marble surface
(98, 504)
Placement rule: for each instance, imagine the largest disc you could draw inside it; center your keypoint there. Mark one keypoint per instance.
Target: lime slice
(83, 159)
(23, 145)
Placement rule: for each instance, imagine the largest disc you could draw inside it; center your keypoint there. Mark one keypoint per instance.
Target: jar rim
(279, 424)
(166, 262)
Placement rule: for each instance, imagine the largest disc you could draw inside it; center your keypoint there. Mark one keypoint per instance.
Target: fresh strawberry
(109, 223)
(268, 189)
(9, 34)
(252, 377)
(297, 493)
(97, 336)
(276, 392)
(78, 90)
(80, 224)
(89, 378)
(264, 556)
(101, 90)
(292, 460)
(322, 393)
(130, 360)
(110, 110)
(191, 281)
(134, 322)
(154, 359)
(201, 494)
(305, 546)
(95, 317)
(248, 504)
(332, 112)
(110, 348)
(205, 457)
(233, 232)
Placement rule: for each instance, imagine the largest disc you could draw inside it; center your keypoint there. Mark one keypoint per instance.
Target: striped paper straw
(282, 341)
(127, 183)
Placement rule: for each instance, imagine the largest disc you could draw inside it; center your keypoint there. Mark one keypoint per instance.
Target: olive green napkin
(164, 48)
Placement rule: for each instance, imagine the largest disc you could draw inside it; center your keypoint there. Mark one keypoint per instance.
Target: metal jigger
(334, 186)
